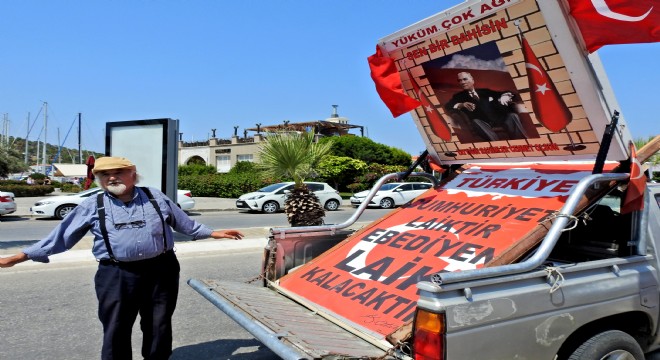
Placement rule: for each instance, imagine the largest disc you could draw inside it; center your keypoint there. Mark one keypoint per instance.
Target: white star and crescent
(636, 170)
(541, 88)
(602, 8)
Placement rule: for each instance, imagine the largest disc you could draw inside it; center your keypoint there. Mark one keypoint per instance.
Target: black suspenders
(104, 231)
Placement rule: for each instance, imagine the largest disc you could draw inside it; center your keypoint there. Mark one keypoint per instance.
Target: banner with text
(369, 280)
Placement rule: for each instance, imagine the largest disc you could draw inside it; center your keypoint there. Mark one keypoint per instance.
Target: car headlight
(255, 197)
(43, 203)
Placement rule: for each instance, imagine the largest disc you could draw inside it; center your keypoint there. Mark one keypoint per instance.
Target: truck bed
(289, 329)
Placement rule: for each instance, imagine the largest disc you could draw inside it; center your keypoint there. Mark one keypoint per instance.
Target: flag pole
(573, 146)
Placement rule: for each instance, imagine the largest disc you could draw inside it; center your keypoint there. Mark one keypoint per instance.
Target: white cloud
(459, 61)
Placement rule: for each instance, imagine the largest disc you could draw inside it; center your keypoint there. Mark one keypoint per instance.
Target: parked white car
(60, 206)
(392, 194)
(7, 204)
(270, 199)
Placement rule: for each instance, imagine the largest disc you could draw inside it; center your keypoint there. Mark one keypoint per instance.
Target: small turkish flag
(634, 199)
(388, 84)
(604, 22)
(549, 107)
(438, 124)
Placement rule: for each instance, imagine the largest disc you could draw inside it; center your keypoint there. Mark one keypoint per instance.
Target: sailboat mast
(44, 159)
(27, 135)
(79, 139)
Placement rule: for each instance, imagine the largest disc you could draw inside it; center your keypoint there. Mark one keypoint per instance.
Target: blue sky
(219, 64)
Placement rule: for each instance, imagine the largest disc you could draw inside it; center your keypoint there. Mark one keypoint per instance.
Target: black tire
(331, 205)
(270, 207)
(611, 344)
(63, 210)
(386, 203)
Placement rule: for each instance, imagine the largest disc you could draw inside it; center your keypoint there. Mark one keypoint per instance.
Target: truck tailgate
(286, 327)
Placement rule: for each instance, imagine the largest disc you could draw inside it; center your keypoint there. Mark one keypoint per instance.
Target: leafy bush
(71, 188)
(222, 185)
(243, 167)
(38, 176)
(197, 169)
(24, 190)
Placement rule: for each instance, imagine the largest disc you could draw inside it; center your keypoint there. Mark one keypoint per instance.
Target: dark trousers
(124, 290)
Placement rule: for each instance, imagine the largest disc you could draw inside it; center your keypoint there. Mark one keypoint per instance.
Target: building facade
(225, 153)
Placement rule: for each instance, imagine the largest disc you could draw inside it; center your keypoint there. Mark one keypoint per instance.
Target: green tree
(654, 160)
(367, 150)
(11, 162)
(372, 174)
(295, 156)
(340, 171)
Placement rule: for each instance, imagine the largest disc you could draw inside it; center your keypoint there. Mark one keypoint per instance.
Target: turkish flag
(388, 84)
(549, 107)
(634, 199)
(438, 125)
(90, 175)
(604, 22)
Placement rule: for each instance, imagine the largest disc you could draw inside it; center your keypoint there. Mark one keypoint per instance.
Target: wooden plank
(296, 325)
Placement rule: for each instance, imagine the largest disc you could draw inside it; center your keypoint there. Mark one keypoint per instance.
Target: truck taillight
(429, 336)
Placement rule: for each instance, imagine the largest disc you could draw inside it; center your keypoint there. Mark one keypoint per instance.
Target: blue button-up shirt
(134, 229)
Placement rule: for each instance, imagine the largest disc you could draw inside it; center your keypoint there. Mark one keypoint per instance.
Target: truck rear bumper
(286, 327)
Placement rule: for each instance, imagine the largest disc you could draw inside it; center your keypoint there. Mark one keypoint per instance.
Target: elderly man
(138, 271)
(486, 109)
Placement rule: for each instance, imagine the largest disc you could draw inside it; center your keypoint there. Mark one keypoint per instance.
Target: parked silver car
(392, 194)
(7, 204)
(271, 198)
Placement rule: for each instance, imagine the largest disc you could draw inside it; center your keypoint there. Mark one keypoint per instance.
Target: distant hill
(66, 155)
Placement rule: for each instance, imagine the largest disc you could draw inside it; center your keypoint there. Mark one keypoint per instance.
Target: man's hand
(10, 261)
(468, 106)
(227, 234)
(506, 98)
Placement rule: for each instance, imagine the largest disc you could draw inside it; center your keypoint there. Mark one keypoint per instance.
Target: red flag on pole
(90, 175)
(604, 22)
(549, 107)
(388, 84)
(438, 124)
(634, 199)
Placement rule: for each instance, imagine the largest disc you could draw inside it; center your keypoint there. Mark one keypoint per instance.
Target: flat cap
(112, 163)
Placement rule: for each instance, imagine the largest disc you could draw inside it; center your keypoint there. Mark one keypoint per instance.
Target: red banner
(371, 278)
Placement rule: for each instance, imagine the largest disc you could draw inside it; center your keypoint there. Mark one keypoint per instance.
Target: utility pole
(5, 129)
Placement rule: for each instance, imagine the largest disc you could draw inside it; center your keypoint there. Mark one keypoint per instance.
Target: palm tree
(295, 156)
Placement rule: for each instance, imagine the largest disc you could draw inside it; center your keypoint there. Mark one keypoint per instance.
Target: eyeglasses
(130, 225)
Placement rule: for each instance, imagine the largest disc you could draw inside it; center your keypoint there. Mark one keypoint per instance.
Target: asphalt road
(48, 312)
